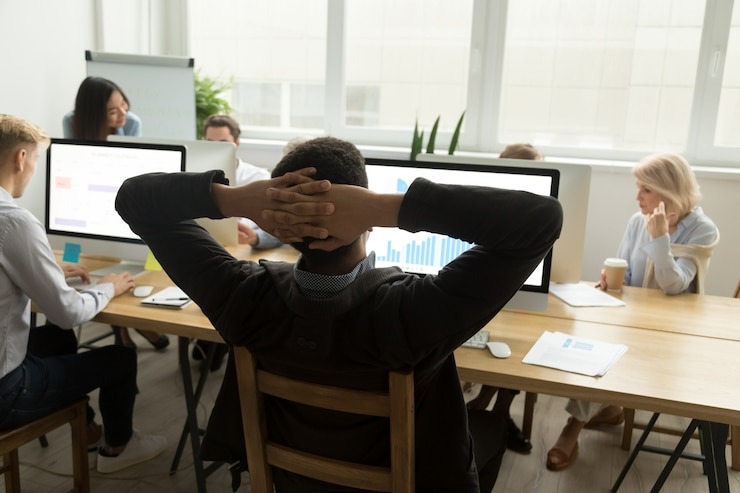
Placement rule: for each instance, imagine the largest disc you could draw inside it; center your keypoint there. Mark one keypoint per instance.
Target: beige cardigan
(699, 254)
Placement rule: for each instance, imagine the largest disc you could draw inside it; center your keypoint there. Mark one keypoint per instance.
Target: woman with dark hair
(101, 109)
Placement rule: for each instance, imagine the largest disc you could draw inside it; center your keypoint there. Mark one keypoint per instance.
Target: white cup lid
(615, 262)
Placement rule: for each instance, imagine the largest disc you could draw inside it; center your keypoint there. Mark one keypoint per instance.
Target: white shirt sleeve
(30, 263)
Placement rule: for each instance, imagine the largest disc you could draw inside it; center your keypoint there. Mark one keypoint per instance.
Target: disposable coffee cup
(614, 269)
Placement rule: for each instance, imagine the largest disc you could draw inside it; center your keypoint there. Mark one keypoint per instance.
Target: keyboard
(131, 267)
(478, 341)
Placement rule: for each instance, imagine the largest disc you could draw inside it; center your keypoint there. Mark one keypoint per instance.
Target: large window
(728, 122)
(577, 78)
(600, 74)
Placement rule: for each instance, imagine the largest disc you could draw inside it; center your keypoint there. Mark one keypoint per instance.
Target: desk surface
(694, 314)
(662, 371)
(126, 310)
(682, 357)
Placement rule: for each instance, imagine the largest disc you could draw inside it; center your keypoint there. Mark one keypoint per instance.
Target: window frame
(488, 38)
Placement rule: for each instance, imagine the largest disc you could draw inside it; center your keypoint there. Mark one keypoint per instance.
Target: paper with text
(574, 354)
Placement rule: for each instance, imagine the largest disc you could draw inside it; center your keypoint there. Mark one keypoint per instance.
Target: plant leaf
(416, 141)
(433, 136)
(456, 135)
(209, 100)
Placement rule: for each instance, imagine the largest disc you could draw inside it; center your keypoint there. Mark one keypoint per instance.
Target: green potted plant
(209, 100)
(417, 141)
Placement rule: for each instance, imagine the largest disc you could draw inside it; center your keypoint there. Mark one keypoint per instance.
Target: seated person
(40, 369)
(333, 317)
(667, 194)
(102, 109)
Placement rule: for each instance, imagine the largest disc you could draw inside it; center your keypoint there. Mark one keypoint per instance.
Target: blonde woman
(669, 218)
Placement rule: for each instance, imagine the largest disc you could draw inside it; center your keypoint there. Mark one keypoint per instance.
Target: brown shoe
(557, 459)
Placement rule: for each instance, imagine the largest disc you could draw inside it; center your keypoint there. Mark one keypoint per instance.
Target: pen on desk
(171, 299)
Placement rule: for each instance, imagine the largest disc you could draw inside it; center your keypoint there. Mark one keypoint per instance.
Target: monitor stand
(528, 301)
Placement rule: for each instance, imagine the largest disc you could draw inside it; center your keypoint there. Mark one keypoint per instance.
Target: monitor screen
(83, 178)
(573, 193)
(427, 253)
(203, 155)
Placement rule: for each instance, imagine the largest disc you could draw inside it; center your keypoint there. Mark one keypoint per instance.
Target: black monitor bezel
(553, 173)
(47, 227)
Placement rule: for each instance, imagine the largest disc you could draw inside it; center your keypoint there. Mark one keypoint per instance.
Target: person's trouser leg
(54, 382)
(50, 340)
(489, 443)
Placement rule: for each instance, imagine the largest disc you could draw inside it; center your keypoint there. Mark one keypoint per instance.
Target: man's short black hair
(335, 160)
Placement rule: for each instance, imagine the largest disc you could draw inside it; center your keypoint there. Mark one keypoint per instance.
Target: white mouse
(499, 349)
(143, 291)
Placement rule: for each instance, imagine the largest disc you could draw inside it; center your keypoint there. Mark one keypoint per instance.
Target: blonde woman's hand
(602, 281)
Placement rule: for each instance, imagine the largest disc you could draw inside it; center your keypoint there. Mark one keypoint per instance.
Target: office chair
(397, 404)
(11, 440)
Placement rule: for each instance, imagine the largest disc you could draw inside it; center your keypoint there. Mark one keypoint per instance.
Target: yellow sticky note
(152, 263)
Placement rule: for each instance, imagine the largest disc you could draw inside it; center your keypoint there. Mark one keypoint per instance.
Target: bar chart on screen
(414, 254)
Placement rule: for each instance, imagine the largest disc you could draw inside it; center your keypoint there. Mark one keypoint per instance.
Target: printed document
(574, 354)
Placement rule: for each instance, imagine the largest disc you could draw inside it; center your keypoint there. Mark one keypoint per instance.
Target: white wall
(42, 63)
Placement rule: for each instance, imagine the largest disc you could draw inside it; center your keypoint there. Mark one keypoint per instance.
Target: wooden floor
(160, 409)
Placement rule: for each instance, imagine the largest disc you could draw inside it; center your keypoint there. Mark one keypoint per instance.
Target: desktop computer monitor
(573, 194)
(427, 253)
(203, 155)
(82, 180)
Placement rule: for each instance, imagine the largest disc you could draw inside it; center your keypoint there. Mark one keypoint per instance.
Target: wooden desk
(695, 314)
(666, 368)
(661, 371)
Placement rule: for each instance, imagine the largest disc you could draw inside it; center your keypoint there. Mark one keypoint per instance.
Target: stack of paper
(574, 354)
(583, 295)
(172, 297)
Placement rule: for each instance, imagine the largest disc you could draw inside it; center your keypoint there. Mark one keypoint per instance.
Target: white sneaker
(139, 449)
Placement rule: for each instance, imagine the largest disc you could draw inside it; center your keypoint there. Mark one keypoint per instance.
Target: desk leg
(714, 441)
(635, 451)
(191, 404)
(676, 455)
(204, 369)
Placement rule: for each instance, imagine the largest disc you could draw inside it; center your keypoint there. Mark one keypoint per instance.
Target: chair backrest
(698, 254)
(397, 404)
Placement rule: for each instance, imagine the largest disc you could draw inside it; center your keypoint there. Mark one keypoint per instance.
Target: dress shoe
(515, 439)
(158, 341)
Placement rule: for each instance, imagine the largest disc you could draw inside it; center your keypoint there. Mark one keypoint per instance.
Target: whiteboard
(161, 90)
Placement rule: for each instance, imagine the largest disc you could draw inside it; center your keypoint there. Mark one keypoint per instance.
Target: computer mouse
(143, 291)
(499, 349)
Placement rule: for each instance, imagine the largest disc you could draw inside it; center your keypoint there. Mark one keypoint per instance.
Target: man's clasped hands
(297, 206)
